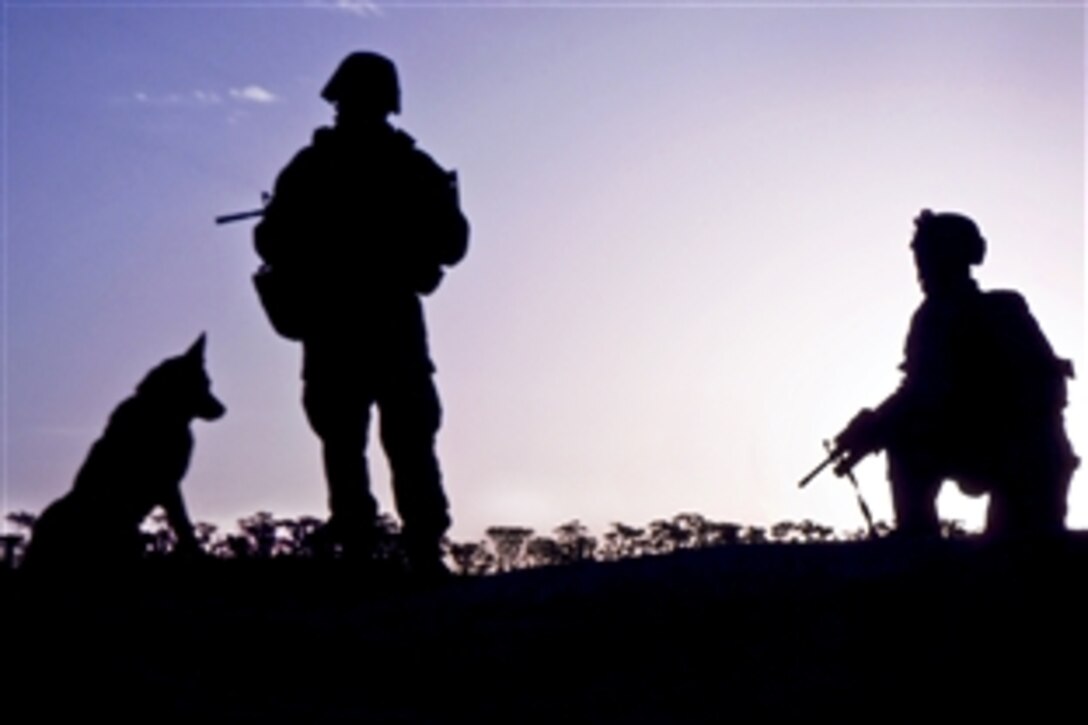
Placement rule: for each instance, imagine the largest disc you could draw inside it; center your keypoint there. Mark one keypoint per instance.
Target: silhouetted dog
(136, 465)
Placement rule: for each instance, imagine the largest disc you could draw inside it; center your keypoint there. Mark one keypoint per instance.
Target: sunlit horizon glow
(689, 261)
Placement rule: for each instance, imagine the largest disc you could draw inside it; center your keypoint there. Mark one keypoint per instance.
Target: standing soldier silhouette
(981, 401)
(359, 226)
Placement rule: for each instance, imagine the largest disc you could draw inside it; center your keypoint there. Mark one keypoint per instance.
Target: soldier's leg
(915, 483)
(340, 414)
(1032, 500)
(410, 418)
(1015, 512)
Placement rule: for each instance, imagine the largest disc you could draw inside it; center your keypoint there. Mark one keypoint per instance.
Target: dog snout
(212, 409)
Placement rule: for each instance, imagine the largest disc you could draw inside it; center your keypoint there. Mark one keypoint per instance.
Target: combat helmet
(365, 76)
(950, 236)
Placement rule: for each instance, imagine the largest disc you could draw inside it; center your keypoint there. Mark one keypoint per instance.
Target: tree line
(502, 549)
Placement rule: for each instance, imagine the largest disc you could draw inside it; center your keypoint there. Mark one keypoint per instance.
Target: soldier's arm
(457, 244)
(287, 212)
(448, 227)
(872, 429)
(868, 431)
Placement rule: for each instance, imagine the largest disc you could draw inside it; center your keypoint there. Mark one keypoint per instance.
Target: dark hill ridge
(851, 630)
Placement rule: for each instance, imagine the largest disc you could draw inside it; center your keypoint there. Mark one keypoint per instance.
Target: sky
(689, 261)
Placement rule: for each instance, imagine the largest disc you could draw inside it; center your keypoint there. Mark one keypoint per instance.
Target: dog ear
(196, 352)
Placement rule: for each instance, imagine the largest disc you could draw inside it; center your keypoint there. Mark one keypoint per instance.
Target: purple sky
(689, 261)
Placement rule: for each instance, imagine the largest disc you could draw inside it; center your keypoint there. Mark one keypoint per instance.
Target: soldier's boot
(344, 537)
(425, 559)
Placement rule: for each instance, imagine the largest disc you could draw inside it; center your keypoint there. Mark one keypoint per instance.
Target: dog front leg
(178, 517)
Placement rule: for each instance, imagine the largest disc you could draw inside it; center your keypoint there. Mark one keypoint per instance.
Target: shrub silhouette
(504, 549)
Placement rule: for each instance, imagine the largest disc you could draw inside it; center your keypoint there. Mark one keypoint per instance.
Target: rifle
(240, 215)
(844, 460)
(864, 434)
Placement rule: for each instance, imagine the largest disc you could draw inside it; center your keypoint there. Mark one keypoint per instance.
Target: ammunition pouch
(281, 301)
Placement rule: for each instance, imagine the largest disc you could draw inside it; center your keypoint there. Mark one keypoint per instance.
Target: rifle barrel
(239, 216)
(816, 471)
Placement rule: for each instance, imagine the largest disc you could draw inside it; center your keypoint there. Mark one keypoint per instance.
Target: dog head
(183, 384)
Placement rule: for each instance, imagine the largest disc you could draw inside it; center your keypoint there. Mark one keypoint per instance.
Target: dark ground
(856, 631)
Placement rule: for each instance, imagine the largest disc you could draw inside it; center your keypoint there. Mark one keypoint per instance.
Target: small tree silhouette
(508, 542)
(574, 542)
(158, 537)
(23, 520)
(298, 539)
(543, 551)
(11, 549)
(205, 535)
(723, 534)
(261, 532)
(471, 559)
(666, 536)
(697, 529)
(14, 544)
(753, 535)
(388, 546)
(623, 542)
(234, 546)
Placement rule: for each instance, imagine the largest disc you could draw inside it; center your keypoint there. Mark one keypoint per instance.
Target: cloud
(253, 94)
(204, 98)
(207, 98)
(189, 98)
(360, 8)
